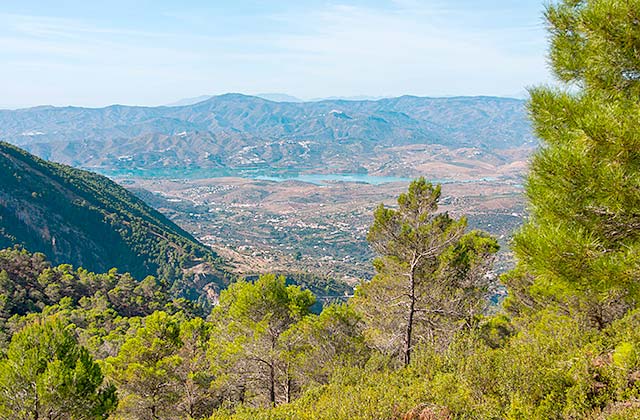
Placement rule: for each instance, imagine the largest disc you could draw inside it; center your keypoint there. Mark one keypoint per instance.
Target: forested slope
(84, 219)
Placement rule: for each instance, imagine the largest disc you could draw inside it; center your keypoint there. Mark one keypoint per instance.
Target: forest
(421, 340)
(82, 218)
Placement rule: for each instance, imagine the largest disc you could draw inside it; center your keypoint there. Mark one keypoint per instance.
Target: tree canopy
(581, 245)
(47, 375)
(431, 276)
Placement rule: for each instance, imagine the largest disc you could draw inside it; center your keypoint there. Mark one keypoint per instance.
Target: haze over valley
(291, 186)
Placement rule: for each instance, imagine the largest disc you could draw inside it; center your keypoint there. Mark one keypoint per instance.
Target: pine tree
(430, 274)
(580, 248)
(146, 370)
(47, 375)
(246, 350)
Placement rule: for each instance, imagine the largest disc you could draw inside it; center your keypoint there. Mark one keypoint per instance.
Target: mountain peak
(278, 97)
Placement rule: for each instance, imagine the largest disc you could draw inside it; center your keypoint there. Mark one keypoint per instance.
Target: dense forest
(416, 342)
(84, 219)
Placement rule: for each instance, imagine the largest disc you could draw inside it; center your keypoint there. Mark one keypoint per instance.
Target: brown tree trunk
(272, 387)
(409, 329)
(289, 383)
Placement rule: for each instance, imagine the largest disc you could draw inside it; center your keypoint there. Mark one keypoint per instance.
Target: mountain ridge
(235, 131)
(357, 98)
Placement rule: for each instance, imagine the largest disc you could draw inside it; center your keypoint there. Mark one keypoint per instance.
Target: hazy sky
(151, 52)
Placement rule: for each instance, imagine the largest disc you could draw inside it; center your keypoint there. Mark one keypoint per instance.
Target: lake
(257, 174)
(277, 175)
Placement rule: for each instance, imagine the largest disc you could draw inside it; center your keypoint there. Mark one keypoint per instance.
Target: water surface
(257, 174)
(265, 174)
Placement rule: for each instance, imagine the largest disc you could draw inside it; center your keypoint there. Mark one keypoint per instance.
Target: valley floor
(261, 225)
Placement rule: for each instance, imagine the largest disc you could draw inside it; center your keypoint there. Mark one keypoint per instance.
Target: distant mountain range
(274, 97)
(82, 218)
(280, 97)
(238, 131)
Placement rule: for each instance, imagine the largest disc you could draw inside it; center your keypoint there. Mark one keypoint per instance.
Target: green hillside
(85, 219)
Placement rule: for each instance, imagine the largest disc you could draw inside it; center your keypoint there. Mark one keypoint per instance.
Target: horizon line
(297, 100)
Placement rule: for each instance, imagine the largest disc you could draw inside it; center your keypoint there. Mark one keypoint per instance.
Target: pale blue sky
(152, 52)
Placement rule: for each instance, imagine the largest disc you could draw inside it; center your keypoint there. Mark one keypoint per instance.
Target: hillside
(238, 131)
(85, 219)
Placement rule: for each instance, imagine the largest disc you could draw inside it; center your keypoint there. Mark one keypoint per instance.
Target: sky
(154, 52)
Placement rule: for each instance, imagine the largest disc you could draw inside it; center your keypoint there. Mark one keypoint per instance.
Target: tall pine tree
(580, 248)
(431, 276)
